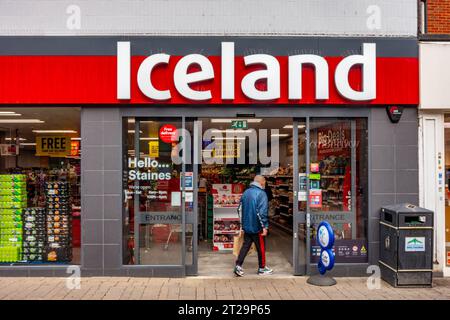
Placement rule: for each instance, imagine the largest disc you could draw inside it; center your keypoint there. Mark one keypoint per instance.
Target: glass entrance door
(330, 184)
(156, 192)
(337, 186)
(300, 203)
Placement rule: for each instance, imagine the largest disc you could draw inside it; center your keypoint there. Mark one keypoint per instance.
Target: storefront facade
(121, 82)
(434, 143)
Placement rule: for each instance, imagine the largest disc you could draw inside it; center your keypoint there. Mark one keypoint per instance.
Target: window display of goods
(58, 224)
(33, 234)
(222, 226)
(13, 197)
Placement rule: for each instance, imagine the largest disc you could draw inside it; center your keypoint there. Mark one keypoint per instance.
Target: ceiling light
(280, 135)
(290, 126)
(132, 131)
(10, 114)
(251, 120)
(18, 121)
(54, 131)
(7, 112)
(76, 139)
(228, 138)
(232, 131)
(20, 139)
(149, 139)
(28, 144)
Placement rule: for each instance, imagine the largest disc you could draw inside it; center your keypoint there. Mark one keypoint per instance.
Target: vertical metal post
(196, 162)
(183, 194)
(136, 196)
(308, 214)
(353, 178)
(295, 220)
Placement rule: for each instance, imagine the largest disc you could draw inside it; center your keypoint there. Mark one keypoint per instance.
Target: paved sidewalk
(200, 288)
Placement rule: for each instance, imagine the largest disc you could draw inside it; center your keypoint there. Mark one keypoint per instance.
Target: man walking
(255, 225)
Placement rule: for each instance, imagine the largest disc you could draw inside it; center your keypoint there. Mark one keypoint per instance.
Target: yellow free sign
(53, 146)
(153, 147)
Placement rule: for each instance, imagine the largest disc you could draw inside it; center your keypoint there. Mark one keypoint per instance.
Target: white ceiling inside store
(55, 118)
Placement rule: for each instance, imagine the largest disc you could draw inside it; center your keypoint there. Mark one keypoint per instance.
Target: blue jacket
(254, 209)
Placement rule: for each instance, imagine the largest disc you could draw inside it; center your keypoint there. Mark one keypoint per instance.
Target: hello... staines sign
(185, 80)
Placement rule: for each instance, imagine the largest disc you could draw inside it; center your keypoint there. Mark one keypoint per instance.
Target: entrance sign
(53, 146)
(184, 78)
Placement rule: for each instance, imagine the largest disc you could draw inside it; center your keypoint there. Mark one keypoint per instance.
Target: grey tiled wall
(393, 177)
(394, 167)
(101, 131)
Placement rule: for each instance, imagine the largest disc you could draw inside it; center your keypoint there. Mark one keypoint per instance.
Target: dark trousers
(260, 243)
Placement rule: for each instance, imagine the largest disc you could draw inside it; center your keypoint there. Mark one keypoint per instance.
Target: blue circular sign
(325, 235)
(321, 267)
(327, 259)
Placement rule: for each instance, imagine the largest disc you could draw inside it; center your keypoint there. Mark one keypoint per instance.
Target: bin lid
(405, 208)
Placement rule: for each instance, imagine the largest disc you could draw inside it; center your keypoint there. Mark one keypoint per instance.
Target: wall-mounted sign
(168, 133)
(188, 181)
(9, 150)
(53, 146)
(184, 80)
(239, 124)
(153, 149)
(315, 198)
(334, 140)
(329, 71)
(394, 113)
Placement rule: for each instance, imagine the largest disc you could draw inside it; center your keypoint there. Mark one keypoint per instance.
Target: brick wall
(438, 16)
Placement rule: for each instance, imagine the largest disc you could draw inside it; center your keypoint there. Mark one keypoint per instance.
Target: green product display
(10, 254)
(13, 197)
(13, 178)
(10, 212)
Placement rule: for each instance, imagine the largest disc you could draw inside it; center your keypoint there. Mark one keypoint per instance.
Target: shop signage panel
(53, 146)
(345, 251)
(227, 73)
(168, 133)
(239, 124)
(160, 217)
(153, 147)
(9, 150)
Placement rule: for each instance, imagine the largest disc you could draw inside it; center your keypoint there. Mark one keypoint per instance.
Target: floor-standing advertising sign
(325, 238)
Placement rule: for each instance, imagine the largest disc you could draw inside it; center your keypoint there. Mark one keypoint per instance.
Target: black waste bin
(406, 245)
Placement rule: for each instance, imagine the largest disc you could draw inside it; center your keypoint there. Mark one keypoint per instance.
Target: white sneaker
(265, 271)
(238, 271)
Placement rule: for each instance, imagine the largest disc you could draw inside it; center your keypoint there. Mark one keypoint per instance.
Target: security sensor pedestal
(321, 281)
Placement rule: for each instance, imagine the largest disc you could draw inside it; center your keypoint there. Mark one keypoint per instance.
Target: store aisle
(279, 257)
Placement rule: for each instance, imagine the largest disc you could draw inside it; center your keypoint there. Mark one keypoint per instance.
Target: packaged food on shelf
(13, 198)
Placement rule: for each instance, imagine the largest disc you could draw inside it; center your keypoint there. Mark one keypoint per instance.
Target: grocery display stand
(13, 197)
(226, 198)
(59, 222)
